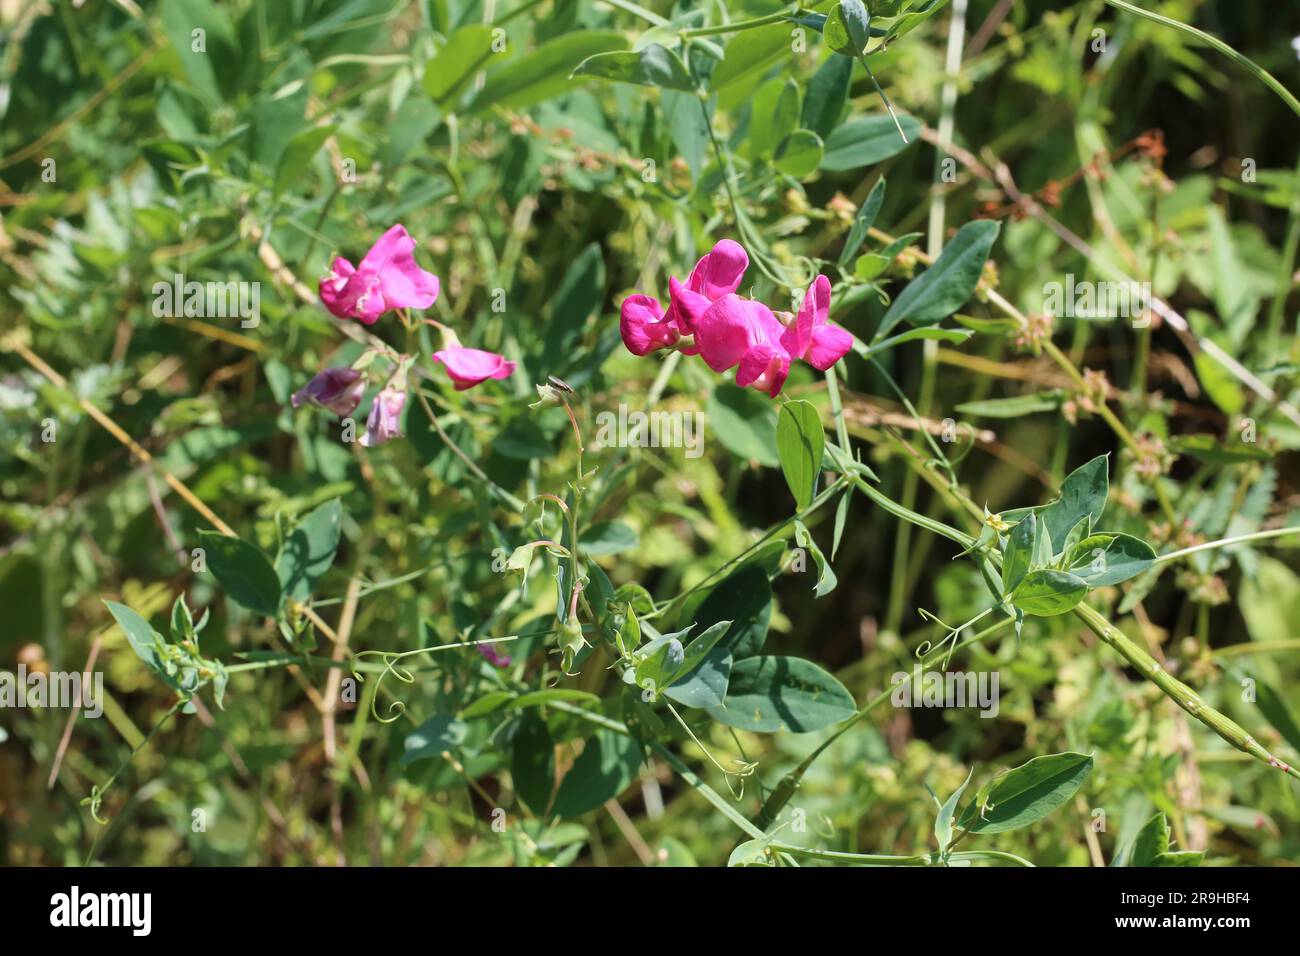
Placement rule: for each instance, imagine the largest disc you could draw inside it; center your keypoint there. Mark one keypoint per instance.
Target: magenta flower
(646, 328)
(744, 335)
(494, 656)
(811, 336)
(388, 278)
(469, 367)
(384, 421)
(338, 389)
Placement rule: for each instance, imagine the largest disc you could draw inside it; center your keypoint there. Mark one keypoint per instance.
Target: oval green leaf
(243, 572)
(800, 441)
(1027, 794)
(768, 694)
(1047, 593)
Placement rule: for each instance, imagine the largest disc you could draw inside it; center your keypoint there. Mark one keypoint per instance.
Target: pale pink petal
(469, 367)
(403, 284)
(385, 419)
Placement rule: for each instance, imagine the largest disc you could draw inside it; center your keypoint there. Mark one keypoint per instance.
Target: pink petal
(720, 271)
(765, 368)
(722, 333)
(332, 286)
(813, 312)
(830, 343)
(643, 325)
(402, 283)
(469, 367)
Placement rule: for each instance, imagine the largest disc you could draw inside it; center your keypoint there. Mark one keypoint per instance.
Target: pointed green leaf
(242, 572)
(309, 550)
(1106, 559)
(1083, 494)
(800, 442)
(866, 140)
(945, 287)
(652, 65)
(1019, 553)
(1026, 794)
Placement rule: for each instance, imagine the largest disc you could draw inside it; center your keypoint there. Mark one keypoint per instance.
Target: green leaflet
(865, 140)
(309, 550)
(1083, 494)
(243, 572)
(943, 288)
(1026, 794)
(768, 694)
(800, 442)
(652, 65)
(1047, 593)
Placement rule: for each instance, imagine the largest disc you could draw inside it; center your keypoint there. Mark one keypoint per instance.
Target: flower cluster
(706, 317)
(388, 279)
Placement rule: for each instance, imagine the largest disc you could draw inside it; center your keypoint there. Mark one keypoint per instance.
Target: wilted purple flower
(384, 421)
(496, 658)
(339, 389)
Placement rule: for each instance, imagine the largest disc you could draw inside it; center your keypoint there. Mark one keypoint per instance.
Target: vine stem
(478, 472)
(789, 783)
(1260, 73)
(1180, 693)
(861, 859)
(1225, 542)
(97, 793)
(756, 22)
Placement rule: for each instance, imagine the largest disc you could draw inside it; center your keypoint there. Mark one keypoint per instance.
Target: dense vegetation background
(1102, 143)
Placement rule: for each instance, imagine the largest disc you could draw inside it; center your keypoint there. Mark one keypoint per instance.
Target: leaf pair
(249, 578)
(1052, 557)
(177, 661)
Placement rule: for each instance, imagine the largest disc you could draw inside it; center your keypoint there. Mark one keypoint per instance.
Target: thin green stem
(859, 859)
(1225, 542)
(736, 27)
(1260, 73)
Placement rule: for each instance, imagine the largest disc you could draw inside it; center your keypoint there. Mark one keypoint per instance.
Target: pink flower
(811, 337)
(646, 328)
(494, 656)
(742, 334)
(388, 278)
(339, 389)
(469, 367)
(385, 419)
